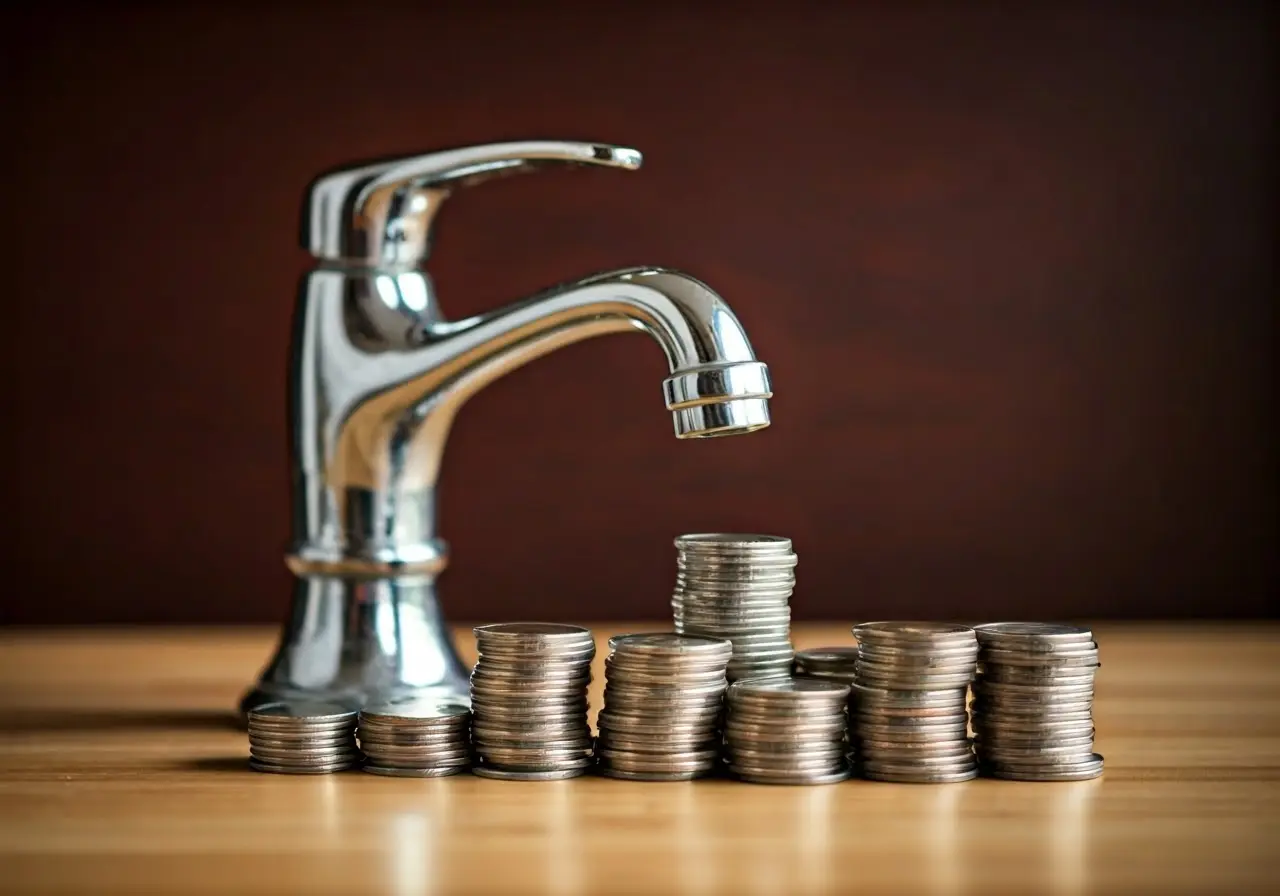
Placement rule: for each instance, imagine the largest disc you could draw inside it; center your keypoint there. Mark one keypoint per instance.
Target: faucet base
(356, 641)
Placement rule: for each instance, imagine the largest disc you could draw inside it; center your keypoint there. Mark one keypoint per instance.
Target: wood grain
(121, 771)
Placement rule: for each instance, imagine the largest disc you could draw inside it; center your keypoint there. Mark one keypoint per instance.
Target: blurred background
(1012, 268)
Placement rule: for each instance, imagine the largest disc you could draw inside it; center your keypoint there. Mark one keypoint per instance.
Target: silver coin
(556, 774)
(906, 681)
(1059, 659)
(752, 776)
(668, 645)
(393, 772)
(897, 697)
(673, 759)
(416, 709)
(1080, 771)
(1038, 676)
(303, 712)
(537, 631)
(922, 776)
(729, 598)
(622, 774)
(912, 651)
(303, 754)
(323, 768)
(788, 689)
(841, 656)
(716, 542)
(304, 742)
(425, 762)
(644, 720)
(411, 738)
(1021, 632)
(940, 633)
(414, 754)
(882, 750)
(783, 734)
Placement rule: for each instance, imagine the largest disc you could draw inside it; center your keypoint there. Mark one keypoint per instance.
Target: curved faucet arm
(713, 366)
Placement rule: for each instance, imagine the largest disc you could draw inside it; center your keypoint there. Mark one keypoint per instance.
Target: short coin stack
(833, 663)
(910, 724)
(529, 701)
(663, 697)
(302, 738)
(1033, 702)
(787, 730)
(416, 737)
(738, 587)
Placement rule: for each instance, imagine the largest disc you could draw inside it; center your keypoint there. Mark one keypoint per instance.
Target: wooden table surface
(122, 771)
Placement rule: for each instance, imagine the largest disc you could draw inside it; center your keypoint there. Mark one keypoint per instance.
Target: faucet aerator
(719, 400)
(724, 418)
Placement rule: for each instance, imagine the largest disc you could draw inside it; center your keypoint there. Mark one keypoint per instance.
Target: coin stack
(529, 701)
(663, 696)
(911, 722)
(787, 730)
(738, 587)
(302, 738)
(1033, 702)
(416, 737)
(833, 663)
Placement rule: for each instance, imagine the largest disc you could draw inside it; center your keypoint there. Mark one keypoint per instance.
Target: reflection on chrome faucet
(377, 375)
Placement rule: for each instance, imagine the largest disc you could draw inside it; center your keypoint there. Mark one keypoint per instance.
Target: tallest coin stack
(738, 587)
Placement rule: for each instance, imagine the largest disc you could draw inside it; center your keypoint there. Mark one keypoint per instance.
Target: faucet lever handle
(379, 214)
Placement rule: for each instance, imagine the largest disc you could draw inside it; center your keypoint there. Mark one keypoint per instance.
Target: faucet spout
(716, 387)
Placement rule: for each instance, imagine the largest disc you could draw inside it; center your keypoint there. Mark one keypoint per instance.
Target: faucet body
(376, 376)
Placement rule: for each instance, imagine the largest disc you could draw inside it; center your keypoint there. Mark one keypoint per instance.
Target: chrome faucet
(376, 375)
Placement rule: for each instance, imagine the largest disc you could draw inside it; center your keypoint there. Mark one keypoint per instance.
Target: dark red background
(1012, 271)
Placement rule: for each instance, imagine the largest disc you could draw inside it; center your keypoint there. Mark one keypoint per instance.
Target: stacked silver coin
(529, 701)
(738, 587)
(663, 697)
(302, 738)
(911, 719)
(416, 737)
(1033, 702)
(834, 663)
(787, 730)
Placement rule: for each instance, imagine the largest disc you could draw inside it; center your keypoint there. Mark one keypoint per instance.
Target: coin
(302, 737)
(663, 696)
(415, 737)
(1033, 702)
(438, 772)
(931, 634)
(910, 718)
(737, 587)
(836, 663)
(529, 700)
(1080, 770)
(502, 774)
(787, 730)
